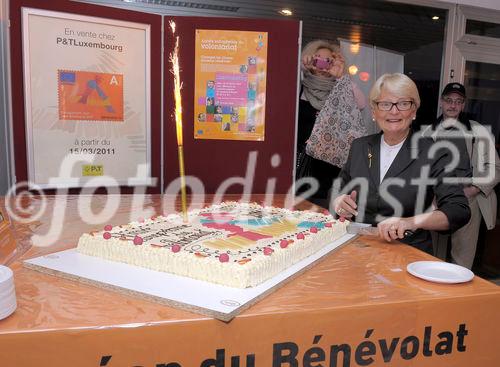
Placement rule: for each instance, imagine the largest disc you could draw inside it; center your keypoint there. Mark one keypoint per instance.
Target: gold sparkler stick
(174, 59)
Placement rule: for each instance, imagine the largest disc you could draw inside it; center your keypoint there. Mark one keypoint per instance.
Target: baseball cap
(454, 88)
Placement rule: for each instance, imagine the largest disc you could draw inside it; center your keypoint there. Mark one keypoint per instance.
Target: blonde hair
(312, 47)
(396, 83)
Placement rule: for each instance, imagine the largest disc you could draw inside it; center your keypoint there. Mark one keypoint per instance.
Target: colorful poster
(87, 98)
(230, 85)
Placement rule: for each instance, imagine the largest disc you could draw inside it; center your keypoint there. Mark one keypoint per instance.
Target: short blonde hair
(396, 83)
(312, 47)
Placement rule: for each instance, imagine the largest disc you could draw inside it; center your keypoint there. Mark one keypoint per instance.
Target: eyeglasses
(401, 105)
(458, 102)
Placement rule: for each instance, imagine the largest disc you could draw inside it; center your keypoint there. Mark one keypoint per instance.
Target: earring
(414, 118)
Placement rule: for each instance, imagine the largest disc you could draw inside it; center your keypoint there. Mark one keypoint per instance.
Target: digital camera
(323, 64)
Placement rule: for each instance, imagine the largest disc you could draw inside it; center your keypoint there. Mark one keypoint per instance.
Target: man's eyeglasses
(401, 105)
(458, 102)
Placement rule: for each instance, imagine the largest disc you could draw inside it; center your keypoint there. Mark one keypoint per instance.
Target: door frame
(466, 47)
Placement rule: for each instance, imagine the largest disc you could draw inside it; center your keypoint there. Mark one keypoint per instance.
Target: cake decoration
(268, 251)
(223, 258)
(233, 244)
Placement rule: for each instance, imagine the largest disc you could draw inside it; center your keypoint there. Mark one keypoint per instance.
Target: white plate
(440, 272)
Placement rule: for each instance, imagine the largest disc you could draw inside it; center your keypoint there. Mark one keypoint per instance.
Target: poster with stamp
(87, 100)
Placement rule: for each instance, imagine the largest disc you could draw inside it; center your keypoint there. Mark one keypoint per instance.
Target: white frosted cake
(237, 245)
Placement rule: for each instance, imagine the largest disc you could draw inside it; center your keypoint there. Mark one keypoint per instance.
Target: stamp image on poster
(91, 96)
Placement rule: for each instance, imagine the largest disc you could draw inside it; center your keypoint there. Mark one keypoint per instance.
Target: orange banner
(414, 334)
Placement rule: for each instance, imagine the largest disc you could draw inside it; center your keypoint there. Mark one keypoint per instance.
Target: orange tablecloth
(357, 307)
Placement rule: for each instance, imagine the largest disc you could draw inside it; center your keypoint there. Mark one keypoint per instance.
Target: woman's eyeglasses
(401, 105)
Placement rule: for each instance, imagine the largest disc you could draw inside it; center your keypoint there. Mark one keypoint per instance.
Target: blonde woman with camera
(329, 116)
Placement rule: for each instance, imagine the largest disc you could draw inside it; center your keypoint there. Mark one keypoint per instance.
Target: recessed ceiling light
(286, 12)
(435, 17)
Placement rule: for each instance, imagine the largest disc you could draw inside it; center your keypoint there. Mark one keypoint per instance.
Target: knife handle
(408, 233)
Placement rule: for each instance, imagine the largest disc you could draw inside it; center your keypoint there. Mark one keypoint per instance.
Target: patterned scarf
(338, 123)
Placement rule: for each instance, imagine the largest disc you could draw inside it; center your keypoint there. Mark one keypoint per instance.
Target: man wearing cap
(484, 173)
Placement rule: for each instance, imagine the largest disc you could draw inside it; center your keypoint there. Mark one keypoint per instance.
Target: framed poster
(230, 84)
(87, 100)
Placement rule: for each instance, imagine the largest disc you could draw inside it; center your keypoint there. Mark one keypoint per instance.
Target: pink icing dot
(268, 250)
(300, 236)
(223, 258)
(138, 240)
(314, 230)
(106, 235)
(328, 224)
(175, 248)
(108, 227)
(283, 243)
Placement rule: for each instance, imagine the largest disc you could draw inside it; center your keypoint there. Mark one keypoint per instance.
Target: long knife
(367, 229)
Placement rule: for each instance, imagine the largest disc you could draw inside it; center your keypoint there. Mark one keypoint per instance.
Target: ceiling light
(286, 12)
(353, 69)
(435, 17)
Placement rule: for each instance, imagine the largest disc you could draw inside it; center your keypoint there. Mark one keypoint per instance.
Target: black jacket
(402, 183)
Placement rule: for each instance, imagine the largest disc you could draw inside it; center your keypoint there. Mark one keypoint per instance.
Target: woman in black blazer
(397, 179)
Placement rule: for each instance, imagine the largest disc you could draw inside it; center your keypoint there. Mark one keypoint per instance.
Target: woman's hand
(307, 62)
(338, 65)
(394, 228)
(471, 191)
(345, 205)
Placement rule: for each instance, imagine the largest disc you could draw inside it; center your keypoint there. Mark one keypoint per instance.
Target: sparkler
(174, 59)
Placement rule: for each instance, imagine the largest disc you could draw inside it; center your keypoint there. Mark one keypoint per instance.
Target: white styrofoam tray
(210, 299)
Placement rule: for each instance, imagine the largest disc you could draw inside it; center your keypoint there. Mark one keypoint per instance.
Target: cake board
(209, 299)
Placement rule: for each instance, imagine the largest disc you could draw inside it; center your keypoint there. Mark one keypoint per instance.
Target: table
(357, 307)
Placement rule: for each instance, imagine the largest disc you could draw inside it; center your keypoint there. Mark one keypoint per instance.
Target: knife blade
(362, 228)
(368, 230)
